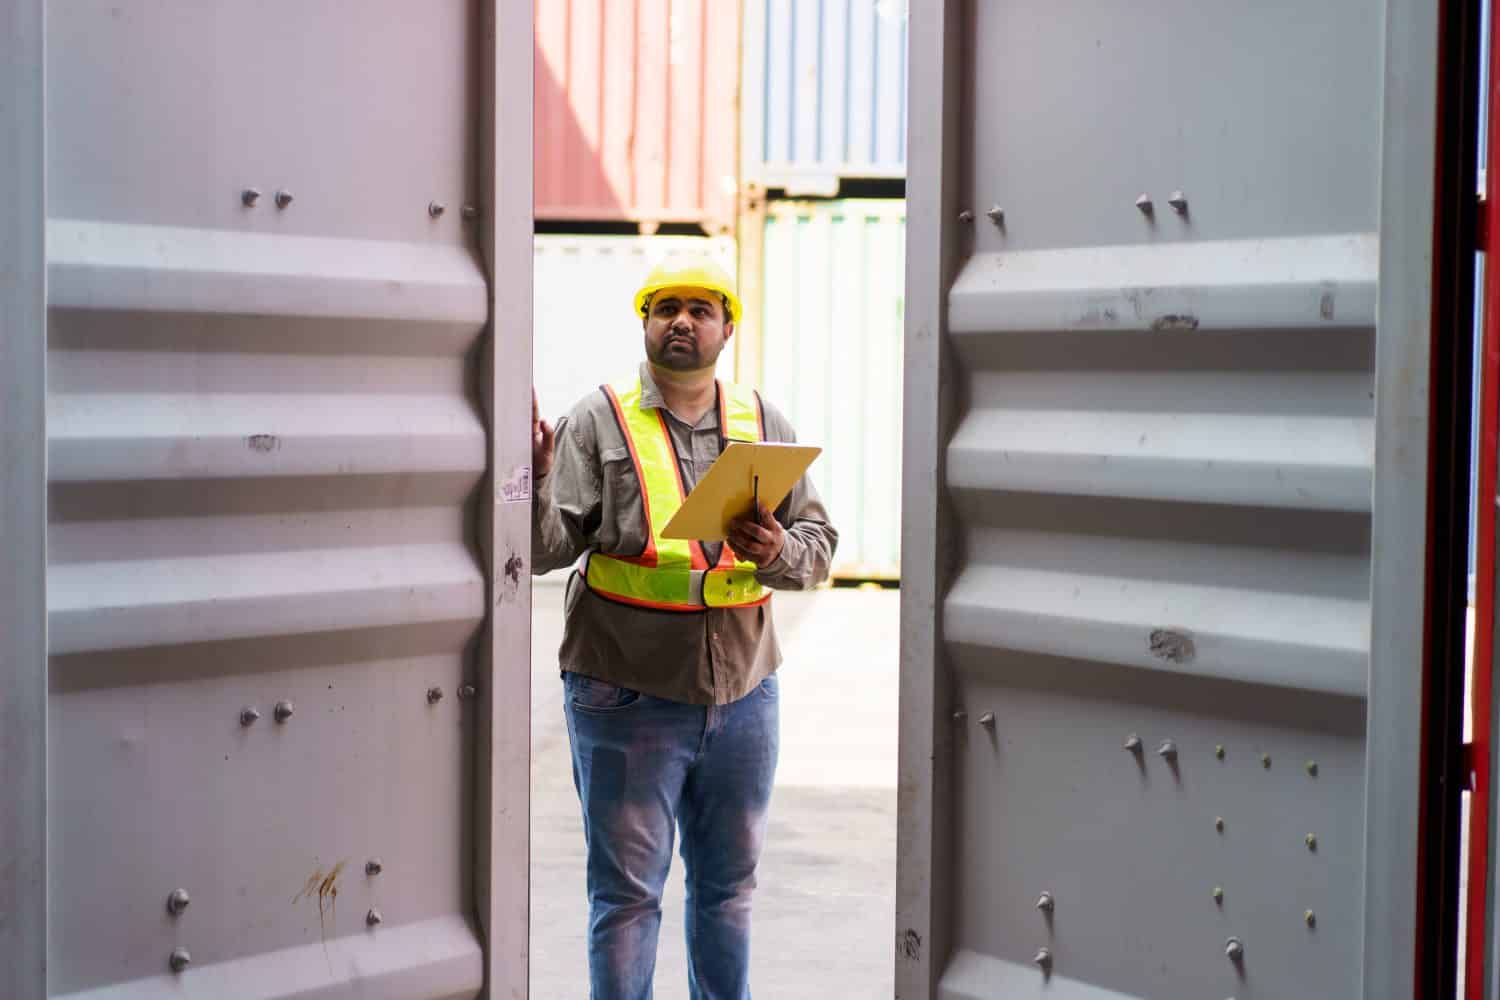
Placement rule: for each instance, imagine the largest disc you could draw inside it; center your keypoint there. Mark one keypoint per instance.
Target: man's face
(686, 329)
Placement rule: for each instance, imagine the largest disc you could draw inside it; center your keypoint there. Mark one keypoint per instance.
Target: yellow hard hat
(689, 272)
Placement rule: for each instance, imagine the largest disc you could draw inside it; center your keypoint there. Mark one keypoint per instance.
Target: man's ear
(728, 330)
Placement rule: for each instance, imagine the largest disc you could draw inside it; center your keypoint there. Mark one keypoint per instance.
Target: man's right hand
(543, 442)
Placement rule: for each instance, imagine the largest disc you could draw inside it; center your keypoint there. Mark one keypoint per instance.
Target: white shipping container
(832, 340)
(586, 330)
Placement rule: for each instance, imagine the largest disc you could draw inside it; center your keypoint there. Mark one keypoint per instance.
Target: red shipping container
(637, 111)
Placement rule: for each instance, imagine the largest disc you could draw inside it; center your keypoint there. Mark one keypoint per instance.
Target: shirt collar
(651, 399)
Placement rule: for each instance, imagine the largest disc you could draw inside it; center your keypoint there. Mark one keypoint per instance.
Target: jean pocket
(770, 687)
(593, 695)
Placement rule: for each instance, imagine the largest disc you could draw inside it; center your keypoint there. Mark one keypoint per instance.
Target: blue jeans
(642, 765)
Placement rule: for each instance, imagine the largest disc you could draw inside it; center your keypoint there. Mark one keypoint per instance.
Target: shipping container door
(1165, 468)
(287, 611)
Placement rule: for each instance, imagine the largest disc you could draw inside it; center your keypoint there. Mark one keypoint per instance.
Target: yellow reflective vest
(672, 574)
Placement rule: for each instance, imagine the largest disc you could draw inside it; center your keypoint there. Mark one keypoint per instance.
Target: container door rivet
(1310, 918)
(1144, 204)
(249, 197)
(997, 215)
(966, 216)
(177, 902)
(1178, 201)
(1312, 769)
(1043, 958)
(1168, 750)
(180, 959)
(374, 867)
(1219, 894)
(249, 715)
(470, 213)
(1311, 840)
(373, 918)
(987, 720)
(1219, 751)
(1235, 949)
(1219, 823)
(1133, 743)
(1265, 761)
(434, 695)
(283, 711)
(436, 209)
(466, 692)
(960, 716)
(1046, 903)
(283, 199)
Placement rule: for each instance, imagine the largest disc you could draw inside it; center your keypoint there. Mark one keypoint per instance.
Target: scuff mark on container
(510, 580)
(1174, 645)
(911, 945)
(263, 443)
(1175, 321)
(1325, 306)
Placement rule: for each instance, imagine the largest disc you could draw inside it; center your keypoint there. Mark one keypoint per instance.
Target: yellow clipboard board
(728, 489)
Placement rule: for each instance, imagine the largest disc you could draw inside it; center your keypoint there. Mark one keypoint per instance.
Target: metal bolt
(1168, 750)
(1219, 751)
(1310, 918)
(180, 959)
(987, 720)
(966, 216)
(1265, 761)
(1235, 949)
(249, 715)
(467, 691)
(177, 902)
(1133, 743)
(283, 711)
(470, 213)
(1219, 823)
(434, 695)
(1144, 204)
(1178, 201)
(373, 918)
(436, 209)
(996, 215)
(1312, 768)
(374, 867)
(1046, 903)
(249, 197)
(1219, 894)
(1043, 958)
(1311, 840)
(960, 716)
(283, 199)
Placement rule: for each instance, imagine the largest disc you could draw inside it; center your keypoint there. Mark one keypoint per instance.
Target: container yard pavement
(824, 911)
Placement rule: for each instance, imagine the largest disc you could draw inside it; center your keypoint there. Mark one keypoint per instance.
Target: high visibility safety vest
(672, 574)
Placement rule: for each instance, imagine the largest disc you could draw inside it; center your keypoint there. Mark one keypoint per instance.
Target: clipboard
(743, 472)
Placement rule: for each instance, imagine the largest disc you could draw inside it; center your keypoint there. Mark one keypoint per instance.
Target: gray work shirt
(592, 500)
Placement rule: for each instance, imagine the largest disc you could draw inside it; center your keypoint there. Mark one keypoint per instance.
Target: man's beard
(682, 354)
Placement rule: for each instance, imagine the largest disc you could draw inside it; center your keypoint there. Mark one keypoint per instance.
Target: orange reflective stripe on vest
(672, 574)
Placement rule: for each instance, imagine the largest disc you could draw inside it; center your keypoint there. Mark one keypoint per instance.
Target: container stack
(770, 134)
(824, 114)
(635, 146)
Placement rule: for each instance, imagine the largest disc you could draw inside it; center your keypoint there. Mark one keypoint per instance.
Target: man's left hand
(758, 539)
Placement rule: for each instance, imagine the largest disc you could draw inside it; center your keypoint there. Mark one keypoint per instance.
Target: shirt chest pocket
(623, 528)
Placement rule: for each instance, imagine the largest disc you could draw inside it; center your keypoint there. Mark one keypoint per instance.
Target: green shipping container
(832, 320)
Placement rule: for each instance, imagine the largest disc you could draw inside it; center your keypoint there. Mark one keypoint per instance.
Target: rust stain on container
(1173, 645)
(324, 887)
(636, 112)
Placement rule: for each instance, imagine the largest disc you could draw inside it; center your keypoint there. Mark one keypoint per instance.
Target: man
(669, 653)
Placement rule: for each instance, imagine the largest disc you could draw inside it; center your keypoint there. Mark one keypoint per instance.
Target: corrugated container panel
(586, 333)
(832, 334)
(636, 111)
(267, 462)
(824, 92)
(1166, 477)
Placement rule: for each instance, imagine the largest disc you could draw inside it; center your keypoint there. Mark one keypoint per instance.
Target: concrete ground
(824, 912)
